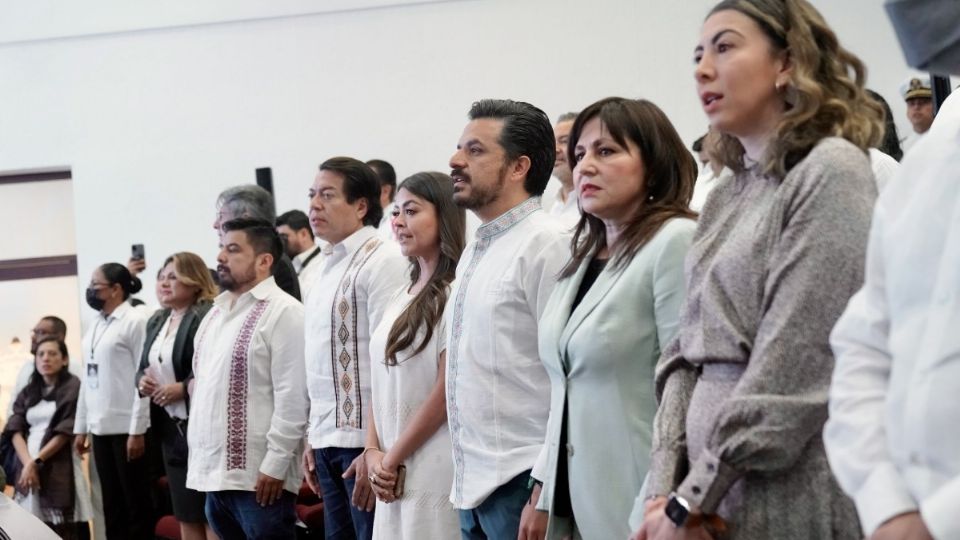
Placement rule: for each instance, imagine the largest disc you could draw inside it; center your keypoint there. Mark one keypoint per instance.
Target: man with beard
(357, 279)
(498, 393)
(254, 202)
(246, 441)
(565, 208)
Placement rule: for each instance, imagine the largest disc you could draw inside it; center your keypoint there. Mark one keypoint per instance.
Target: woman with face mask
(185, 290)
(112, 348)
(51, 484)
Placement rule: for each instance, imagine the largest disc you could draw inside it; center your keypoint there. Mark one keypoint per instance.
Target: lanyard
(96, 341)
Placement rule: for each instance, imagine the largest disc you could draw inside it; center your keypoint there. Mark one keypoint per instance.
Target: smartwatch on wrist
(677, 509)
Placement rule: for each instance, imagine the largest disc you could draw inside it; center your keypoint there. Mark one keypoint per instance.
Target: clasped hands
(161, 394)
(29, 478)
(382, 474)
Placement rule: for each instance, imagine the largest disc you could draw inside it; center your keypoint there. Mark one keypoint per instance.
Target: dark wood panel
(22, 178)
(40, 267)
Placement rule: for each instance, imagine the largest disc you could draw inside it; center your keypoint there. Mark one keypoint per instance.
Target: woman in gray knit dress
(779, 249)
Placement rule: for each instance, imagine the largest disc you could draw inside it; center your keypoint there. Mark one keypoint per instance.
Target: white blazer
(601, 360)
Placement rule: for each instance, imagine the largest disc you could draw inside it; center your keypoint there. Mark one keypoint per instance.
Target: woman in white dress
(51, 484)
(408, 354)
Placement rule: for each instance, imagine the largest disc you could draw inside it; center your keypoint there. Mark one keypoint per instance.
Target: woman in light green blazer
(616, 305)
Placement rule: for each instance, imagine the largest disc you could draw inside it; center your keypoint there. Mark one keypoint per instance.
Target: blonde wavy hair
(193, 272)
(826, 95)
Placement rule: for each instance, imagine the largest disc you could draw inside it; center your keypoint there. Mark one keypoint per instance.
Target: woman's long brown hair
(668, 186)
(426, 308)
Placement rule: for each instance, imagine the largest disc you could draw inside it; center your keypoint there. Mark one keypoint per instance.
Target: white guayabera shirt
(498, 393)
(353, 288)
(248, 410)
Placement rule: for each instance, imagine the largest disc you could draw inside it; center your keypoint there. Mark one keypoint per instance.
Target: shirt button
(695, 490)
(569, 449)
(711, 467)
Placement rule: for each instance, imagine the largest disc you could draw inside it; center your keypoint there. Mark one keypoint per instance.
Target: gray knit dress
(744, 387)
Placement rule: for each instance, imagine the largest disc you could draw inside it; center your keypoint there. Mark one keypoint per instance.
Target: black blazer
(182, 344)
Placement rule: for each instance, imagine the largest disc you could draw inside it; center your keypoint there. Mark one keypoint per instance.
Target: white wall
(24, 303)
(46, 19)
(155, 123)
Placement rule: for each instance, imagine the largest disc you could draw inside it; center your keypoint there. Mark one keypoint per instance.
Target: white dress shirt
(356, 282)
(498, 393)
(111, 354)
(160, 367)
(884, 168)
(307, 265)
(912, 141)
(249, 403)
(892, 437)
(566, 212)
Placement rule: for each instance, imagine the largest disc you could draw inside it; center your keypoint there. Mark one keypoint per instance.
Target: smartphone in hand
(136, 252)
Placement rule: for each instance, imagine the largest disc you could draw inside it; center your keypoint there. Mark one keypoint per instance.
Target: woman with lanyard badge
(185, 290)
(111, 350)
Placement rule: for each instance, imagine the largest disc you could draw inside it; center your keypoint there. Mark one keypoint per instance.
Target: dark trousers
(236, 514)
(127, 504)
(498, 516)
(341, 520)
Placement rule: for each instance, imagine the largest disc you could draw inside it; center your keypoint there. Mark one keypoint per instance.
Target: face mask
(93, 301)
(928, 32)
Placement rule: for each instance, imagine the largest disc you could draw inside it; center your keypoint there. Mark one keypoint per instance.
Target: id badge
(93, 376)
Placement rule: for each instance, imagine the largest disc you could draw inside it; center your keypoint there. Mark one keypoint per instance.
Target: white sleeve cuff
(939, 511)
(883, 496)
(275, 465)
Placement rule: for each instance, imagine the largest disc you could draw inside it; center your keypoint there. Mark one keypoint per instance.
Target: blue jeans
(498, 516)
(236, 514)
(341, 520)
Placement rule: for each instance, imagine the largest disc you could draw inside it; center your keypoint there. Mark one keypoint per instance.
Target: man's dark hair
(526, 132)
(386, 174)
(260, 233)
(296, 220)
(359, 182)
(59, 327)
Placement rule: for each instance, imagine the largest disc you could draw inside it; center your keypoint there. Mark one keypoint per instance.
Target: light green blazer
(601, 360)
